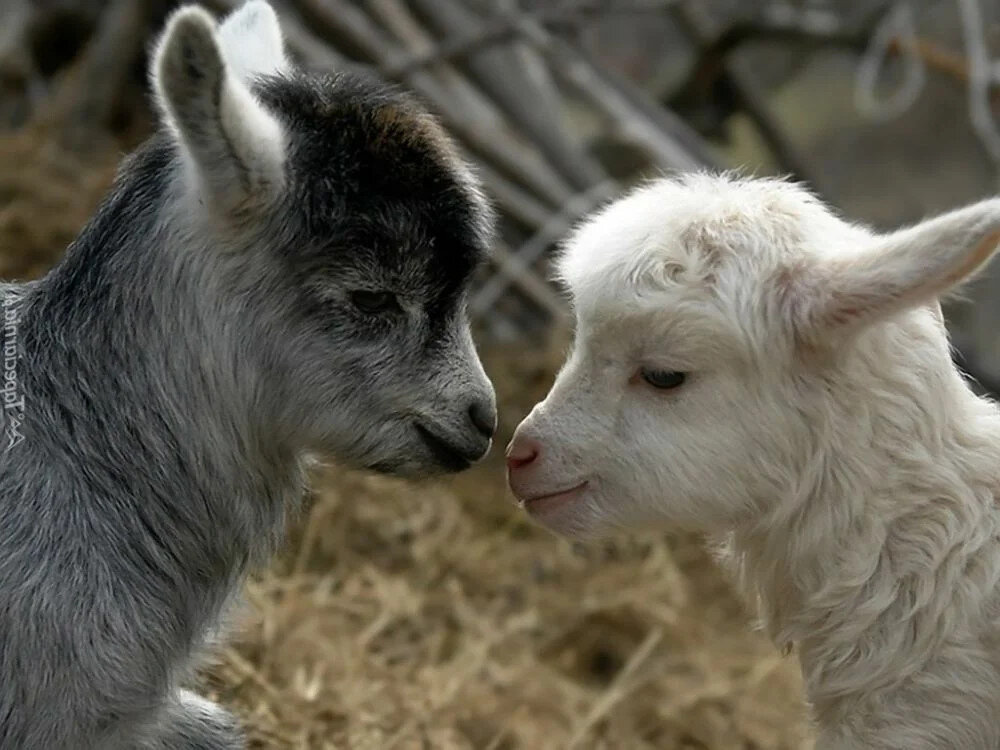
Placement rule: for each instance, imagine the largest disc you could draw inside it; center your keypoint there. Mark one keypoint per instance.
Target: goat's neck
(883, 554)
(131, 362)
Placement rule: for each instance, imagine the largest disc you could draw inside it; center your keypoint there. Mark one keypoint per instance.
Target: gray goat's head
(344, 229)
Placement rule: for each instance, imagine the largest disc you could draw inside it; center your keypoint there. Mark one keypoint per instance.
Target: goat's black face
(378, 235)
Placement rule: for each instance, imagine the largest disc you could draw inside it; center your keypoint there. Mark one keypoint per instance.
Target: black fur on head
(373, 179)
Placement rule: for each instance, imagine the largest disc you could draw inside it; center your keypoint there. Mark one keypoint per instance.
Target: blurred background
(434, 615)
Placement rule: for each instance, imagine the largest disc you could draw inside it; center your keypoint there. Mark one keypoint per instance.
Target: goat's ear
(233, 146)
(251, 41)
(889, 273)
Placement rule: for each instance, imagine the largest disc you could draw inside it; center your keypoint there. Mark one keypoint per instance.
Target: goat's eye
(663, 379)
(374, 302)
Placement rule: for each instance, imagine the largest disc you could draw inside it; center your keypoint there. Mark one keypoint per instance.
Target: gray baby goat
(280, 272)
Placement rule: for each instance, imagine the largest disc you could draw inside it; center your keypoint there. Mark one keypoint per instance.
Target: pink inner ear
(849, 294)
(842, 315)
(922, 289)
(804, 299)
(982, 253)
(814, 304)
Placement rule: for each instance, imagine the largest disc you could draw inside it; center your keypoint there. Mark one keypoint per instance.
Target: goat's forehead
(371, 169)
(409, 239)
(687, 231)
(348, 135)
(663, 329)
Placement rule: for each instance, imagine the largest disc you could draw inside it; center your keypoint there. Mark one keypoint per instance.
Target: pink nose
(521, 452)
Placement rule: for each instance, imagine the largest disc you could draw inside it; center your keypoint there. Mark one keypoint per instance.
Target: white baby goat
(748, 364)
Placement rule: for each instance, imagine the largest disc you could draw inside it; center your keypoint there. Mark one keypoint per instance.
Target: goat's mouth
(451, 457)
(552, 502)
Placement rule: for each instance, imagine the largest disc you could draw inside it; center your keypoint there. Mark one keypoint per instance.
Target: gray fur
(195, 346)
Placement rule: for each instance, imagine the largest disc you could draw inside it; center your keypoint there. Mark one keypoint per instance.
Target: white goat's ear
(904, 269)
(251, 41)
(234, 147)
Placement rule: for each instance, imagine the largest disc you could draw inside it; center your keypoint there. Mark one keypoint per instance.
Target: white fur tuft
(252, 42)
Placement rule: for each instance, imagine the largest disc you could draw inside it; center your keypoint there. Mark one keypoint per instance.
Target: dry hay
(46, 194)
(434, 616)
(55, 170)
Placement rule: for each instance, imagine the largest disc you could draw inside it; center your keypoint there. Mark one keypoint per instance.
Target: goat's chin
(410, 469)
(404, 465)
(594, 516)
(400, 450)
(413, 462)
(580, 517)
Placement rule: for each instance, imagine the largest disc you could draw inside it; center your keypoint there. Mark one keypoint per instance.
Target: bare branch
(501, 28)
(537, 290)
(478, 108)
(518, 204)
(500, 73)
(670, 143)
(520, 263)
(744, 88)
(336, 18)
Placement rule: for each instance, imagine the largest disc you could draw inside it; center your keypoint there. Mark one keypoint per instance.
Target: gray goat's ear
(234, 148)
(251, 41)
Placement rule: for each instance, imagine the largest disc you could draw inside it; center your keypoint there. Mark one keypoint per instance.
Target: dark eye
(663, 379)
(374, 302)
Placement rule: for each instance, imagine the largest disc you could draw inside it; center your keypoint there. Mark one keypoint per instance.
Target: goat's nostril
(484, 417)
(521, 452)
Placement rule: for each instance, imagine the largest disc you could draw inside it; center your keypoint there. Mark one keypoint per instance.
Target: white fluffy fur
(251, 41)
(822, 432)
(235, 148)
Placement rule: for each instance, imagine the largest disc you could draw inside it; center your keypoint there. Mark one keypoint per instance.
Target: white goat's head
(727, 329)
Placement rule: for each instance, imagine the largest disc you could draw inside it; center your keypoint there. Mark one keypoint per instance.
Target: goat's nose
(521, 452)
(484, 416)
